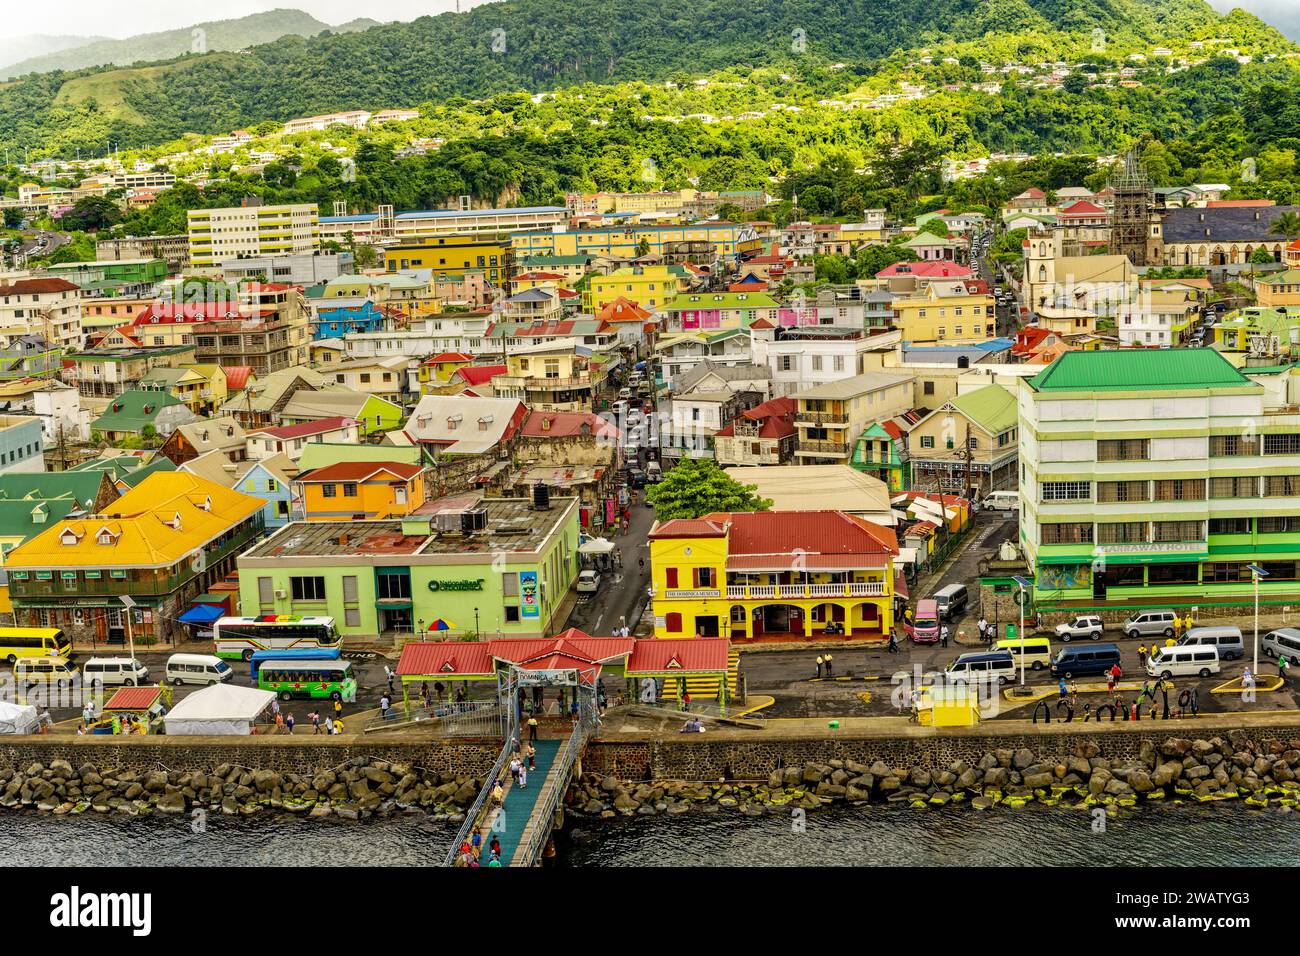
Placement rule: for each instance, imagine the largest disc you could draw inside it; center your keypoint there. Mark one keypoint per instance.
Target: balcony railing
(851, 589)
(822, 419)
(822, 447)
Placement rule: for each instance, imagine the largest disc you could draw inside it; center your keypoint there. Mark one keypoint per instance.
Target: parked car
(1225, 637)
(981, 667)
(1085, 661)
(1083, 626)
(636, 478)
(1201, 660)
(115, 670)
(588, 582)
(1150, 624)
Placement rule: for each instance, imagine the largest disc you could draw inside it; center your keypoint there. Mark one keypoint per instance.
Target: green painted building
(1156, 477)
(491, 567)
(881, 450)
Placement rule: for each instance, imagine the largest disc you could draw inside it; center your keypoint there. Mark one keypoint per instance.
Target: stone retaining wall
(302, 754)
(699, 757)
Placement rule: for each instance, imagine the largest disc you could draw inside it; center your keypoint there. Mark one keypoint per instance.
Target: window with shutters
(265, 592)
(1280, 486)
(1230, 446)
(1122, 491)
(1123, 449)
(1239, 486)
(1282, 444)
(1073, 532)
(349, 589)
(1180, 489)
(1122, 532)
(1169, 531)
(670, 577)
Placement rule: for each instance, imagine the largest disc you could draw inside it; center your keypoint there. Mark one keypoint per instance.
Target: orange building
(362, 491)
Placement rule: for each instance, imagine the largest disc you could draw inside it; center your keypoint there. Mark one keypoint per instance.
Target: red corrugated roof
(237, 376)
(623, 310)
(37, 286)
(361, 471)
(133, 698)
(795, 538)
(692, 655)
(443, 357)
(926, 270)
(566, 424)
(449, 659)
(307, 428)
(690, 528)
(478, 374)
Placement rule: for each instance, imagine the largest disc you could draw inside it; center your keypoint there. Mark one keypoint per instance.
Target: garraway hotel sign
(473, 584)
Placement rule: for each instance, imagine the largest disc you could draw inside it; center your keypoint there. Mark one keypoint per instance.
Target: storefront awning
(202, 614)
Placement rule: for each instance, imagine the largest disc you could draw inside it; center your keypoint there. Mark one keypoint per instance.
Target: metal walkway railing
(540, 821)
(456, 719)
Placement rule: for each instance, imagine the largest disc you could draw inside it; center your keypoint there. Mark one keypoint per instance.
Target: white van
(115, 670)
(198, 669)
(1285, 640)
(979, 667)
(1001, 501)
(1223, 636)
(1182, 660)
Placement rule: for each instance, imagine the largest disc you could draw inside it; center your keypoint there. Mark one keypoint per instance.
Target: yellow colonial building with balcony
(775, 575)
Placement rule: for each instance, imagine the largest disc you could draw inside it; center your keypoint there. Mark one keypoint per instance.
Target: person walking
(288, 722)
(338, 708)
(893, 642)
(819, 666)
(943, 636)
(388, 676)
(275, 707)
(329, 725)
(686, 700)
(532, 729)
(983, 626)
(523, 777)
(1282, 666)
(384, 704)
(515, 764)
(1178, 625)
(279, 722)
(830, 667)
(315, 721)
(1061, 691)
(1142, 655)
(338, 726)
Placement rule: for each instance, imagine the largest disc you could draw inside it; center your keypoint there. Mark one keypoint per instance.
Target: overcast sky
(121, 18)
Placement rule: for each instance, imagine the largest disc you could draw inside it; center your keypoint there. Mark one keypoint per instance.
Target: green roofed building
(136, 411)
(967, 446)
(1155, 478)
(322, 454)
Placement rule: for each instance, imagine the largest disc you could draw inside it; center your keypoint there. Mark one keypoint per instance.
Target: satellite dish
(198, 562)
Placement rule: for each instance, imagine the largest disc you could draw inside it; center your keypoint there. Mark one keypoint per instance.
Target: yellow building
(729, 240)
(550, 377)
(650, 287)
(362, 491)
(167, 540)
(201, 388)
(249, 231)
(1281, 288)
(773, 574)
(451, 255)
(947, 312)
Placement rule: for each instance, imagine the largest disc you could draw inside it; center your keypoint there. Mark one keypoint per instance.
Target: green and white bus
(308, 679)
(236, 638)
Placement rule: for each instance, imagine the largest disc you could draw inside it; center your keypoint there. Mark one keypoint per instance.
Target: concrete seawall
(303, 754)
(753, 755)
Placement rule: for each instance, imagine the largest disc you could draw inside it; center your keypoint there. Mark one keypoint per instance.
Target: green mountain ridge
(15, 49)
(538, 45)
(233, 34)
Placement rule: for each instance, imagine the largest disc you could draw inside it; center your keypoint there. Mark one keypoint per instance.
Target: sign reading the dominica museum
(473, 584)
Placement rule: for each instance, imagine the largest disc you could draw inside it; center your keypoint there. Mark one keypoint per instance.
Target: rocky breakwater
(1176, 770)
(360, 788)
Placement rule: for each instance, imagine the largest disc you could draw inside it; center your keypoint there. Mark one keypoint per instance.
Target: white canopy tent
(220, 710)
(596, 546)
(19, 719)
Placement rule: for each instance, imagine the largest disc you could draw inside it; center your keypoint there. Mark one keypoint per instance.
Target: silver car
(1150, 624)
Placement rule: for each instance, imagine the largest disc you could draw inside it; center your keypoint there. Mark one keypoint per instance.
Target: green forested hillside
(234, 34)
(545, 44)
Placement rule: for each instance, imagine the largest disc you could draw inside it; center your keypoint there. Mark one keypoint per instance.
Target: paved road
(623, 592)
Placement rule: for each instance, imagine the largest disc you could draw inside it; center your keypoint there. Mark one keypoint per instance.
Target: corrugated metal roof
(992, 407)
(1138, 370)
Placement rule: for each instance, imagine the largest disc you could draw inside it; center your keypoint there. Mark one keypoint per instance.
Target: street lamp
(1256, 572)
(1023, 583)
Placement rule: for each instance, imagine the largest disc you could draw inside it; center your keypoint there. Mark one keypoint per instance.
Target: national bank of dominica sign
(473, 584)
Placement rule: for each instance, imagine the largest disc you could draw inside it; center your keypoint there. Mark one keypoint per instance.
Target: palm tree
(1287, 225)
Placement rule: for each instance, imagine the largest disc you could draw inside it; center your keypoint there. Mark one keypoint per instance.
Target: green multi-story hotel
(1157, 477)
(493, 567)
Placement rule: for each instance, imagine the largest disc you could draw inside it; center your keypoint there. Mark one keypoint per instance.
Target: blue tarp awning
(202, 614)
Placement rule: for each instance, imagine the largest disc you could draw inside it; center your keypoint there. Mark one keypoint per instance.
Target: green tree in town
(1260, 256)
(1287, 225)
(13, 218)
(699, 487)
(92, 214)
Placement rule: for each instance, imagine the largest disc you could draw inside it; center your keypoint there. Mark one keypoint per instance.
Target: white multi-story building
(804, 357)
(48, 307)
(1157, 478)
(247, 231)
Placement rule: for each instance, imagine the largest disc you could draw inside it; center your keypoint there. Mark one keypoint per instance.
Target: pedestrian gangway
(477, 718)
